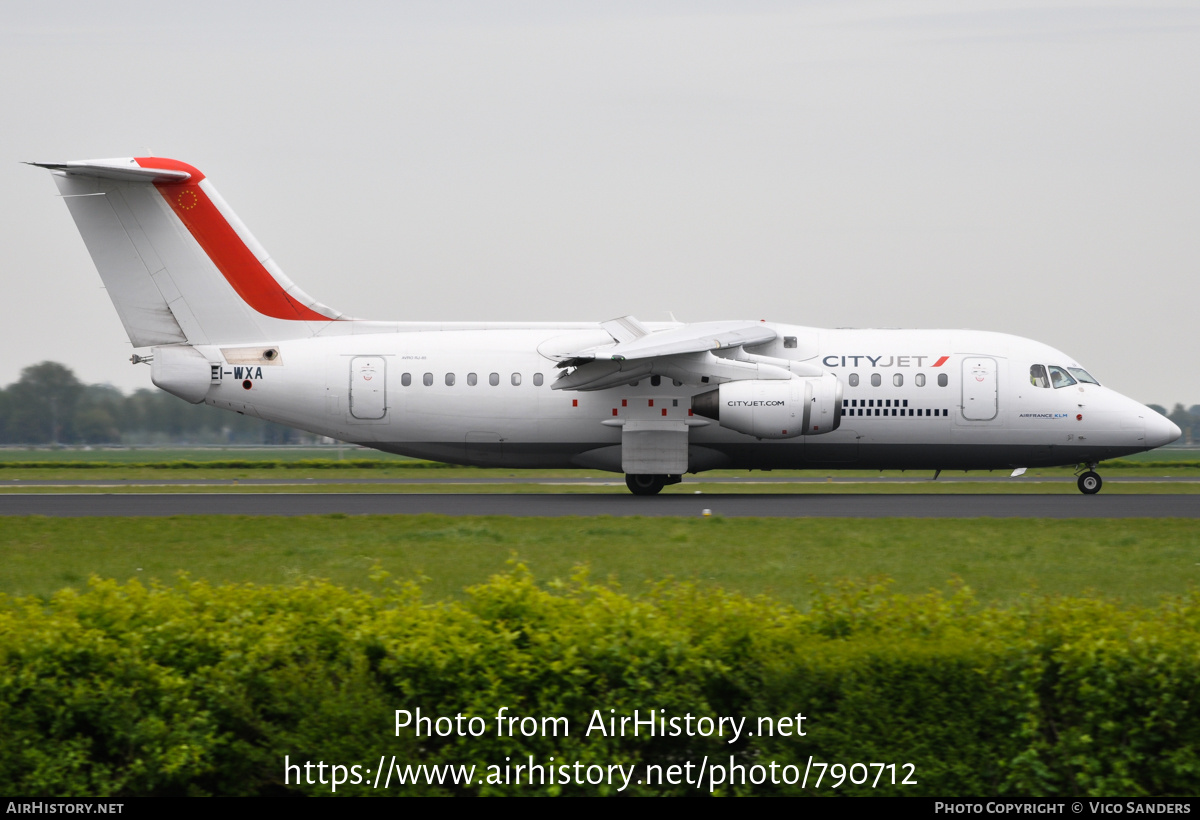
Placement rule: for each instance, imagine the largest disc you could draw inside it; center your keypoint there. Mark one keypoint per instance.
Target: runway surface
(575, 481)
(731, 505)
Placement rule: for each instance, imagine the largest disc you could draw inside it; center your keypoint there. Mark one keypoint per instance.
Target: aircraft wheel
(645, 484)
(1090, 483)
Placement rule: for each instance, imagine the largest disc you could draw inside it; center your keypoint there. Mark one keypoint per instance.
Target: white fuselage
(228, 328)
(911, 399)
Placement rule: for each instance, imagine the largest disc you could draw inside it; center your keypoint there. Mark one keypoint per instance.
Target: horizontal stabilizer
(125, 170)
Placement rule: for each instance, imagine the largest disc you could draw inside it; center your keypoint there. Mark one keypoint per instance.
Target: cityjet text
(881, 361)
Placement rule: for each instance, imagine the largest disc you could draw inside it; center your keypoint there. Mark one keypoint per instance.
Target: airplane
(225, 327)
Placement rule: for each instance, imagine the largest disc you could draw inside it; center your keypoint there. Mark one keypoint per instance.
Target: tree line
(48, 404)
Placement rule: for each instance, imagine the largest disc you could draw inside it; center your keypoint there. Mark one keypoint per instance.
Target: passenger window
(1060, 378)
(537, 379)
(406, 379)
(854, 380)
(876, 380)
(449, 379)
(920, 379)
(516, 379)
(472, 379)
(494, 379)
(427, 379)
(1038, 377)
(898, 380)
(655, 381)
(943, 379)
(789, 341)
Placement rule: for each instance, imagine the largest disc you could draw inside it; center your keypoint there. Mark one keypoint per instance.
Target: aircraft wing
(686, 354)
(634, 341)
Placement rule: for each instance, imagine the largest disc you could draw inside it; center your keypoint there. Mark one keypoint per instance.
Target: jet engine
(783, 408)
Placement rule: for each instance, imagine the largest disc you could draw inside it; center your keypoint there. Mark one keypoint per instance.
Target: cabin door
(368, 387)
(979, 394)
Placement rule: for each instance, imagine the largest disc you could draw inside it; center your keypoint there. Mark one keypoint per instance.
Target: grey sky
(1008, 166)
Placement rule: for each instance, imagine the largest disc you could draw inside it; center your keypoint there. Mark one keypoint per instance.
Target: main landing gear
(1090, 481)
(649, 484)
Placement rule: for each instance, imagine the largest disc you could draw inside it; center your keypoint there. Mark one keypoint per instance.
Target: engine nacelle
(783, 408)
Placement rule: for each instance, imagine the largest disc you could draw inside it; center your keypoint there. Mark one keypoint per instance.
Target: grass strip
(1133, 560)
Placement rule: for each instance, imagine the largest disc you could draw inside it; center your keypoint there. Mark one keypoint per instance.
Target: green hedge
(196, 689)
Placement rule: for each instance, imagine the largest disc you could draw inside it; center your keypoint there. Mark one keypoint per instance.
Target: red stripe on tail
(224, 247)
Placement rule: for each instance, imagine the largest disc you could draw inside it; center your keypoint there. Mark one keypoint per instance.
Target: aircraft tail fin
(177, 262)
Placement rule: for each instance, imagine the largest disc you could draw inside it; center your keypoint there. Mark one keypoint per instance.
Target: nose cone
(1160, 430)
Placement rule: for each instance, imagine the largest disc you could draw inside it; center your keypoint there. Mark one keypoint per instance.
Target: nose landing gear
(1090, 481)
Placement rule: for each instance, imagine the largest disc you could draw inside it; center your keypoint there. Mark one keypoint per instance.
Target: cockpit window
(1083, 376)
(1059, 377)
(1038, 377)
